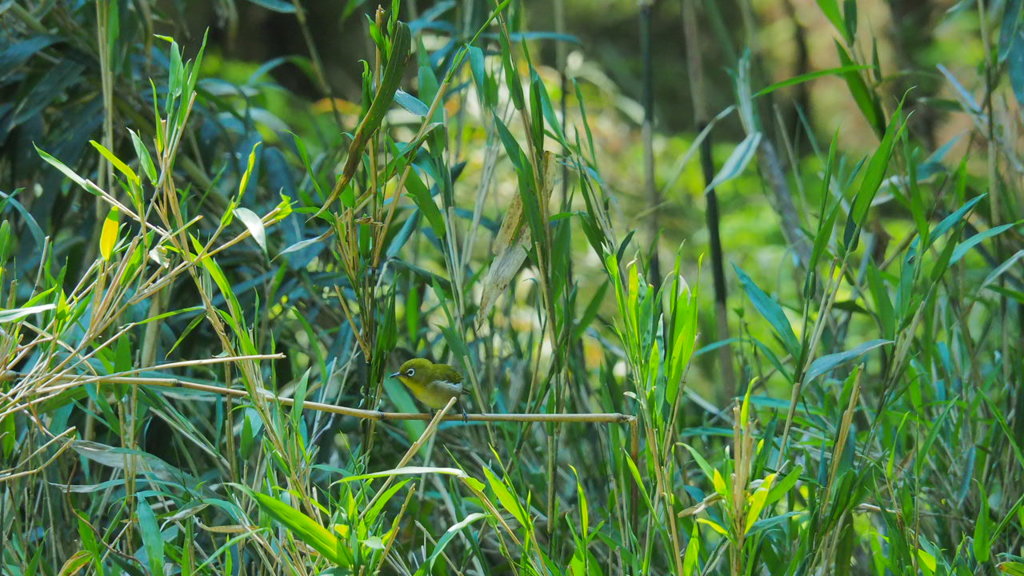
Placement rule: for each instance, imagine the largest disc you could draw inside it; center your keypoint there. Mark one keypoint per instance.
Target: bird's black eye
(410, 372)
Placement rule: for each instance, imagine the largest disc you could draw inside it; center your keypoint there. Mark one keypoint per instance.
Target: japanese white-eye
(432, 384)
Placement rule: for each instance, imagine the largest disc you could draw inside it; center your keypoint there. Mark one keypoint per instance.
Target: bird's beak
(394, 375)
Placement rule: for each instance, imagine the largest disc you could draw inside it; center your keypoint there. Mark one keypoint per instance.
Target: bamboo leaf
(411, 103)
(772, 312)
(306, 529)
(826, 363)
(276, 6)
(382, 99)
(255, 226)
(108, 234)
(18, 313)
(145, 160)
(863, 96)
(830, 8)
(508, 501)
(965, 246)
(244, 183)
(152, 540)
(872, 180)
(737, 161)
(115, 161)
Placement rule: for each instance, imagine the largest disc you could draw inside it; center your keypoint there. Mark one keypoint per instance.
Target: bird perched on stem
(432, 384)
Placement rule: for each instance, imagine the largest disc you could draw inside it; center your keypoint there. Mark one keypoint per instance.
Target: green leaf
(883, 303)
(757, 502)
(863, 96)
(1015, 65)
(86, 184)
(8, 437)
(782, 487)
(306, 529)
(828, 362)
(411, 103)
(830, 8)
(872, 180)
(811, 76)
(1001, 269)
(276, 6)
(14, 54)
(448, 536)
(152, 539)
(826, 224)
(427, 84)
(299, 398)
(850, 19)
(26, 218)
(420, 195)
(737, 161)
(1011, 568)
(635, 472)
(511, 76)
(691, 557)
(145, 160)
(536, 111)
(78, 562)
(965, 246)
(953, 219)
(86, 535)
(394, 70)
(709, 471)
(982, 534)
(508, 500)
(371, 514)
(248, 172)
(1011, 26)
(772, 312)
(175, 77)
(115, 161)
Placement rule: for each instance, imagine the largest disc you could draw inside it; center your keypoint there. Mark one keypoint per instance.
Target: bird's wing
(449, 374)
(453, 388)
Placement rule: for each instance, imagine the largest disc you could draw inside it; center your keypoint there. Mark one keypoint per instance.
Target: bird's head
(416, 370)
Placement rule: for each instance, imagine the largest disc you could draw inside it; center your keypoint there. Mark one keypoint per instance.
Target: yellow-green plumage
(432, 384)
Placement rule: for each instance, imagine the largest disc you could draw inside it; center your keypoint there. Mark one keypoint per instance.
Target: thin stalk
(647, 135)
(73, 381)
(314, 57)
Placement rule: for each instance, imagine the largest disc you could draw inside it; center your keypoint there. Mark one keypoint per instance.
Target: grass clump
(199, 317)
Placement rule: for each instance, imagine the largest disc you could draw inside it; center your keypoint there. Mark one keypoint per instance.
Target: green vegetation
(206, 280)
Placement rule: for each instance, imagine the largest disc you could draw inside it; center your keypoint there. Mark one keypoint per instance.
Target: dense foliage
(207, 279)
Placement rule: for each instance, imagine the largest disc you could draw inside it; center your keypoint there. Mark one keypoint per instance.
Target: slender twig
(8, 475)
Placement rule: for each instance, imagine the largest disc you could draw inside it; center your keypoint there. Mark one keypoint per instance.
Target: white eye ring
(410, 372)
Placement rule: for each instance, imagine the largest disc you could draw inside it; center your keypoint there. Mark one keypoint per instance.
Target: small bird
(432, 384)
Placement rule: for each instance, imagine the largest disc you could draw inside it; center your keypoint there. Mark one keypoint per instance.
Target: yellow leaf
(248, 171)
(714, 526)
(927, 561)
(719, 483)
(108, 235)
(757, 502)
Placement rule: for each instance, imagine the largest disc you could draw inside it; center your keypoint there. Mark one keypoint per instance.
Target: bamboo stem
(597, 418)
